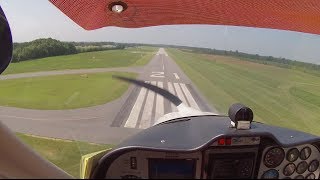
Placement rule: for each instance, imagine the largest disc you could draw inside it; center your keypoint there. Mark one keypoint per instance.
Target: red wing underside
(294, 15)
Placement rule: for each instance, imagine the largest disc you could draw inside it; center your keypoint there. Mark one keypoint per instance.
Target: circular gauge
(270, 174)
(302, 167)
(314, 165)
(293, 154)
(289, 169)
(299, 177)
(311, 176)
(305, 153)
(274, 157)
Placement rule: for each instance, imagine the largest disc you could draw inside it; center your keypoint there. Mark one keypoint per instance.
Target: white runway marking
(179, 93)
(134, 114)
(171, 89)
(147, 110)
(176, 76)
(189, 96)
(178, 89)
(157, 74)
(162, 63)
(159, 104)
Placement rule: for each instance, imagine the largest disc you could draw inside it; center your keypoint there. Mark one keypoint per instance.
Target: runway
(143, 106)
(115, 121)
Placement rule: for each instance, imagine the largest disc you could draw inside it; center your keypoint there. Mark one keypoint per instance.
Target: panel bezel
(315, 154)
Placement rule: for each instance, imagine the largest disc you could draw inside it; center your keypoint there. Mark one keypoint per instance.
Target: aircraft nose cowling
(183, 111)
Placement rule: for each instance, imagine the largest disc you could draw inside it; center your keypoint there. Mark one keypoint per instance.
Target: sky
(32, 19)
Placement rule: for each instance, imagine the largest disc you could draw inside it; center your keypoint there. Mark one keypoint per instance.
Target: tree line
(46, 47)
(101, 44)
(41, 48)
(90, 47)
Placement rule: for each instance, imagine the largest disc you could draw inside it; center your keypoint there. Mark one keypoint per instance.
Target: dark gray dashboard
(207, 147)
(197, 132)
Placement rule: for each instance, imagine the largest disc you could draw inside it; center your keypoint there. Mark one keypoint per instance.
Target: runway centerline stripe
(134, 114)
(171, 89)
(147, 110)
(190, 99)
(162, 63)
(180, 93)
(159, 103)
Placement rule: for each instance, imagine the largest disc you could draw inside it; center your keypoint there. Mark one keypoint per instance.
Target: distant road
(110, 123)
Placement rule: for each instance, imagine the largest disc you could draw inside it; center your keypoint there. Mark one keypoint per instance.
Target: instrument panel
(236, 157)
(156, 165)
(225, 163)
(300, 162)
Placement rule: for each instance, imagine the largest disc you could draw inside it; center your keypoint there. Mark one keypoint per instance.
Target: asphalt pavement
(115, 121)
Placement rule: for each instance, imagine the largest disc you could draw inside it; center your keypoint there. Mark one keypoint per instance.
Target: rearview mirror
(5, 42)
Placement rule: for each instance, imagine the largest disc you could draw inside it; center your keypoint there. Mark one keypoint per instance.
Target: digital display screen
(172, 168)
(239, 166)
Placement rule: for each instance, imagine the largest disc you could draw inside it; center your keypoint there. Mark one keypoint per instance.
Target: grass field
(64, 154)
(62, 91)
(99, 59)
(278, 96)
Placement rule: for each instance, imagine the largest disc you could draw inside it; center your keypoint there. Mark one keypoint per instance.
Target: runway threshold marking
(180, 93)
(159, 104)
(172, 91)
(142, 110)
(134, 114)
(147, 110)
(191, 100)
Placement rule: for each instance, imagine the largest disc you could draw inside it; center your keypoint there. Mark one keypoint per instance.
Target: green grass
(62, 91)
(62, 153)
(278, 96)
(99, 59)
